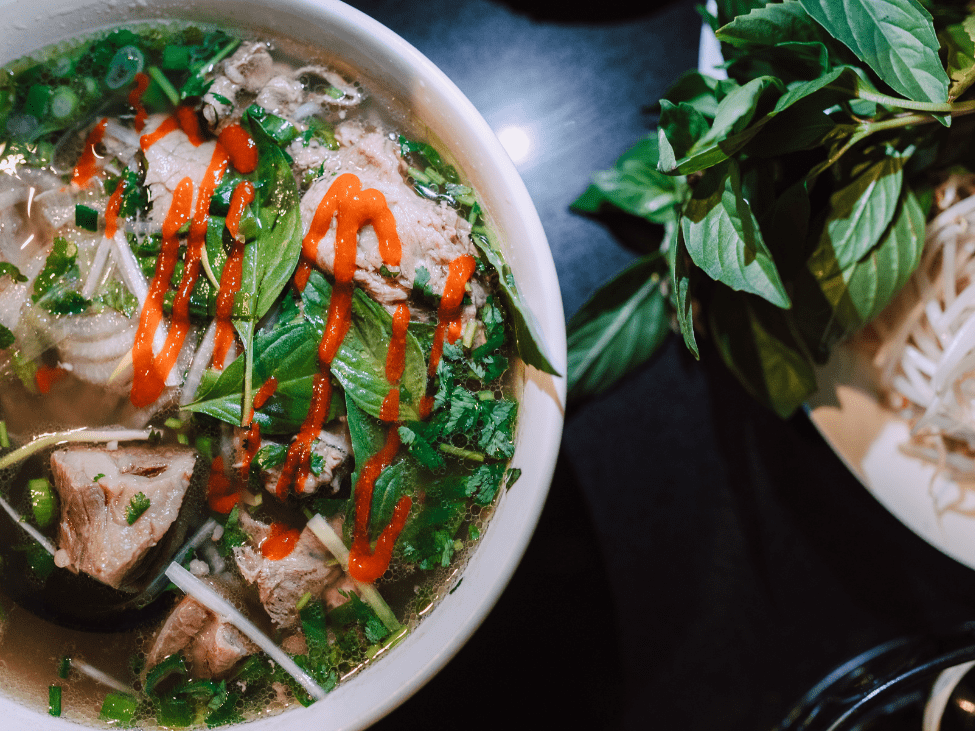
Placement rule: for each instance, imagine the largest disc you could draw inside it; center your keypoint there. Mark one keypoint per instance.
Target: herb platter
(849, 411)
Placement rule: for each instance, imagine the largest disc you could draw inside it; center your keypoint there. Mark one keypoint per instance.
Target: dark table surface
(699, 563)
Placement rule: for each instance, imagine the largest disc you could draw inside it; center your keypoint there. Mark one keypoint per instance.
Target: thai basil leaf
(681, 267)
(776, 23)
(701, 91)
(618, 329)
(858, 292)
(895, 38)
(366, 433)
(360, 363)
(959, 43)
(271, 258)
(678, 130)
(789, 62)
(723, 237)
(860, 212)
(634, 185)
(531, 347)
(368, 436)
(289, 354)
(759, 345)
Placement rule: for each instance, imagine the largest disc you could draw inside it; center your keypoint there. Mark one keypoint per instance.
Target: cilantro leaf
(137, 506)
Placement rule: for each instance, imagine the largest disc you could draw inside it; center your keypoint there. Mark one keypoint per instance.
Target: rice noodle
(927, 358)
(102, 677)
(97, 268)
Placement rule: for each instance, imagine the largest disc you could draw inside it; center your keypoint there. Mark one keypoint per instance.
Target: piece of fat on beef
(96, 486)
(334, 445)
(210, 645)
(431, 234)
(310, 567)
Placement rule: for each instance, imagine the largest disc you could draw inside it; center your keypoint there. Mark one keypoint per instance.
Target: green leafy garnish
(787, 197)
(85, 217)
(119, 707)
(42, 501)
(137, 506)
(54, 700)
(53, 285)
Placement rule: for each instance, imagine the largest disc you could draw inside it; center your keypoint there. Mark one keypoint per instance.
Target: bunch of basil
(791, 197)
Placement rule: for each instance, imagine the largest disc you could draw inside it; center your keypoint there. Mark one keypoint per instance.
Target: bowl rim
(428, 648)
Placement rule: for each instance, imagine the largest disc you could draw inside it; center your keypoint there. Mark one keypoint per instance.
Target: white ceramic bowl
(380, 54)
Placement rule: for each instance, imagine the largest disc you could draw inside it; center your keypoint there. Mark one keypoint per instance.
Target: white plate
(848, 412)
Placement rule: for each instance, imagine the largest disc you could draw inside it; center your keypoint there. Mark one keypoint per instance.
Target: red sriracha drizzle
(280, 543)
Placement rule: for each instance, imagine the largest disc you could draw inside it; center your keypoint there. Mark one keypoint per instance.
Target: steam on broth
(269, 331)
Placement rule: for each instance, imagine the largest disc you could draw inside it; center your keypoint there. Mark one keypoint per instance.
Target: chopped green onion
(64, 667)
(85, 217)
(174, 664)
(37, 98)
(436, 177)
(42, 501)
(126, 63)
(157, 75)
(303, 601)
(173, 423)
(54, 700)
(64, 103)
(137, 506)
(97, 477)
(418, 175)
(470, 330)
(118, 707)
(176, 58)
(4, 437)
(204, 447)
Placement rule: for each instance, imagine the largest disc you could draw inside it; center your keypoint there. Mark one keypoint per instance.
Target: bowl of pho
(281, 343)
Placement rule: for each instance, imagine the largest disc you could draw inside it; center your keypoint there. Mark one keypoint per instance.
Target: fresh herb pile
(790, 198)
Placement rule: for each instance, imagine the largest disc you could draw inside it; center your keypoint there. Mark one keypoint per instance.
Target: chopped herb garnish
(119, 707)
(54, 700)
(137, 506)
(85, 217)
(42, 501)
(8, 269)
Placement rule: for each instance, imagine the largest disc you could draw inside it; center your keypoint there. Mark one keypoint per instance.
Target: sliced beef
(432, 234)
(96, 487)
(240, 78)
(334, 446)
(210, 645)
(308, 568)
(251, 76)
(168, 161)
